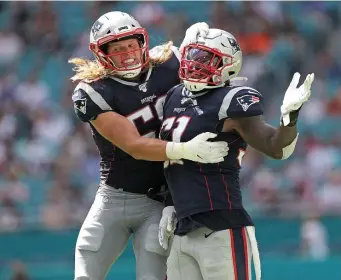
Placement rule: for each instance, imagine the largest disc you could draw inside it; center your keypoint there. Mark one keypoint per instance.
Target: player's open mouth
(131, 62)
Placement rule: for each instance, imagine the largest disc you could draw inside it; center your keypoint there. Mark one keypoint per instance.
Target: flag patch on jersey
(247, 100)
(80, 105)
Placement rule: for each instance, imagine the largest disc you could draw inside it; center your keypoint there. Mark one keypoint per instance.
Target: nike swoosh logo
(207, 235)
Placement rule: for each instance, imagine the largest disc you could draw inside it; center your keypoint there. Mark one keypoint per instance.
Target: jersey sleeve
(241, 102)
(88, 103)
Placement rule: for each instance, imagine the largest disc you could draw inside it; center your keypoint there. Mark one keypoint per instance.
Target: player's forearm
(156, 150)
(123, 134)
(140, 147)
(148, 149)
(283, 137)
(274, 142)
(144, 148)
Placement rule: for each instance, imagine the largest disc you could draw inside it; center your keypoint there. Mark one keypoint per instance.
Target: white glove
(295, 97)
(166, 226)
(200, 28)
(198, 149)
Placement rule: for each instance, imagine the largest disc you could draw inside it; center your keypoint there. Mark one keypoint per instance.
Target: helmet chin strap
(128, 74)
(224, 77)
(193, 86)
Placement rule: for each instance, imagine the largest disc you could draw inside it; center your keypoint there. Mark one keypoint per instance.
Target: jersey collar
(189, 94)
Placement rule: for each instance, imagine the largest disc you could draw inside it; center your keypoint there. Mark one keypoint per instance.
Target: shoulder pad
(241, 102)
(88, 102)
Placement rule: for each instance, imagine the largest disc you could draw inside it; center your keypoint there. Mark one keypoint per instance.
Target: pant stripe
(233, 255)
(240, 254)
(246, 253)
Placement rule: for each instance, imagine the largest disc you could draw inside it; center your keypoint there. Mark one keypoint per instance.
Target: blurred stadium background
(49, 164)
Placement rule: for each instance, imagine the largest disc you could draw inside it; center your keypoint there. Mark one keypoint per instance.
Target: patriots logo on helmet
(96, 27)
(234, 45)
(247, 100)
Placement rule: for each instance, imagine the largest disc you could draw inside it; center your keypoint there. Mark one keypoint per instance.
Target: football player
(214, 236)
(121, 95)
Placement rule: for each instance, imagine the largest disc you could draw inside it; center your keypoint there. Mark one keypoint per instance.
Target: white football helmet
(114, 26)
(211, 61)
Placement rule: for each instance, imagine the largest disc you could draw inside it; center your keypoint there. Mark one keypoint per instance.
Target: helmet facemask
(203, 67)
(126, 69)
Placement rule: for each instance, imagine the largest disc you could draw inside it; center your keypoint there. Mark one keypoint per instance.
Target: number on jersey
(178, 131)
(146, 114)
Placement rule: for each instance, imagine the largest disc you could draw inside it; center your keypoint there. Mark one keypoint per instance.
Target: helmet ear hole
(141, 40)
(104, 48)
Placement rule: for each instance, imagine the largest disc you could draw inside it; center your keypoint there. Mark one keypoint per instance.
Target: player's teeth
(129, 60)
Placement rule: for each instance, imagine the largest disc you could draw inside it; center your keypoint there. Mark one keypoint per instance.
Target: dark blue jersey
(142, 103)
(198, 188)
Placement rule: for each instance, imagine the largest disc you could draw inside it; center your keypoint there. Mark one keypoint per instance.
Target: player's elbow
(275, 150)
(282, 153)
(277, 155)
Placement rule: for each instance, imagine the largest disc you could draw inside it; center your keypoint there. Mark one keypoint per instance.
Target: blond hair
(91, 70)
